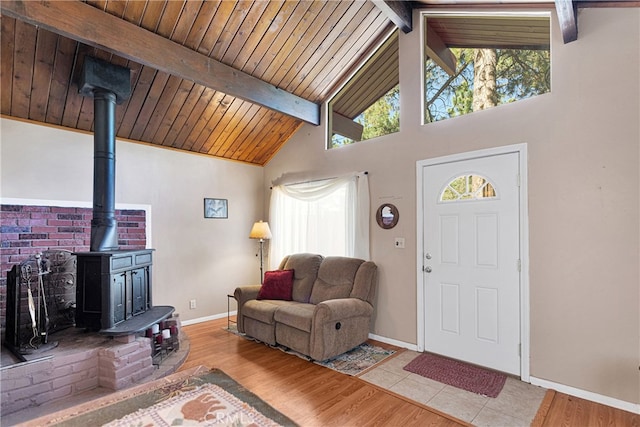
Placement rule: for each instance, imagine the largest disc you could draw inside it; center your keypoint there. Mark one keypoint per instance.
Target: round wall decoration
(387, 216)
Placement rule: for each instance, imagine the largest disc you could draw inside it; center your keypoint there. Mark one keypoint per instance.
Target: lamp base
(261, 262)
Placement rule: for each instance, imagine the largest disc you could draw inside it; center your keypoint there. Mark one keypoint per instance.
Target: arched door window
(468, 187)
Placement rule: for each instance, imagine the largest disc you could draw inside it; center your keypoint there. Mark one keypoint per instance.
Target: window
(328, 217)
(475, 62)
(368, 105)
(468, 187)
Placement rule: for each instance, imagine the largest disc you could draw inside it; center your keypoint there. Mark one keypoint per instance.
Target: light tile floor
(516, 405)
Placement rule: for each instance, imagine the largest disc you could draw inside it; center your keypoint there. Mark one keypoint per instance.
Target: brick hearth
(81, 362)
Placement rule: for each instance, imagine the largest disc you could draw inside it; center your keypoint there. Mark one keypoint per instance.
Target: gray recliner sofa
(329, 312)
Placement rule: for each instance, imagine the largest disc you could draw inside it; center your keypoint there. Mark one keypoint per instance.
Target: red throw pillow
(277, 284)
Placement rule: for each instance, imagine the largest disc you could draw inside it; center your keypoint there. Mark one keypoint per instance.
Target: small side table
(229, 321)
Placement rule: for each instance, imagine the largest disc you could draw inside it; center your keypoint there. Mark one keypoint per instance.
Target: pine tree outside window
(479, 61)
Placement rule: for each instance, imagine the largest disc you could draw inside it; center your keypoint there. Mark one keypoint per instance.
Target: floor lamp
(260, 230)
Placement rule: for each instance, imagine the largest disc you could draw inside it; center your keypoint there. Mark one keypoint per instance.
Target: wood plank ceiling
(304, 49)
(378, 76)
(300, 47)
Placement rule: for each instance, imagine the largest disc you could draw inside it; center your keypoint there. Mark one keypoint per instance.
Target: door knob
(427, 269)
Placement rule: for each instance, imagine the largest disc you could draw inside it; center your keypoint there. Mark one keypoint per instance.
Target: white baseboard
(207, 318)
(588, 395)
(394, 342)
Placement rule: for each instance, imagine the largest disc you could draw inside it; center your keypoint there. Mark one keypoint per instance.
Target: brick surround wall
(27, 230)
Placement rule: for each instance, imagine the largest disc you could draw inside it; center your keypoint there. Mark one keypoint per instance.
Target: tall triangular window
(368, 105)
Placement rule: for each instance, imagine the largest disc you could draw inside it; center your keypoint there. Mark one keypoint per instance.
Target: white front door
(471, 260)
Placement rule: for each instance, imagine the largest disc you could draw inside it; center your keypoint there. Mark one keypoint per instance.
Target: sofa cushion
(305, 270)
(295, 315)
(335, 279)
(277, 285)
(262, 310)
(260, 331)
(292, 338)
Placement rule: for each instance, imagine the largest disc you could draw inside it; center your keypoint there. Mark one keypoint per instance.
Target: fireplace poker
(44, 333)
(26, 275)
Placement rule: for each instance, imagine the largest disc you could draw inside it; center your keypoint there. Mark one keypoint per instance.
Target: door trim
(521, 149)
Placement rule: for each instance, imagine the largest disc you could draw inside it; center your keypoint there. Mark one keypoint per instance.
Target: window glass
(328, 217)
(468, 187)
(368, 105)
(477, 62)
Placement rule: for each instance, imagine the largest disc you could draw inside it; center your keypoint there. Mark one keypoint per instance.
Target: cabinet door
(119, 295)
(139, 279)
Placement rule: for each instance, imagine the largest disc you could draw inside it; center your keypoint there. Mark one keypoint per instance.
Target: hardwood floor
(568, 410)
(309, 394)
(312, 395)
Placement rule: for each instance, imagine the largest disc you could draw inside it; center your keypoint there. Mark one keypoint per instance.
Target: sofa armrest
(339, 325)
(342, 308)
(242, 295)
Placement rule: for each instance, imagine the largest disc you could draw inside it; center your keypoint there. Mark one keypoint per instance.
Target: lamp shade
(260, 230)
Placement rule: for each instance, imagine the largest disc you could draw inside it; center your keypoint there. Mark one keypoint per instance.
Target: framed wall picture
(216, 208)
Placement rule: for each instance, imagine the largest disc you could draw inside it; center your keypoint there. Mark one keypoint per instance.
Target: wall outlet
(192, 304)
(399, 242)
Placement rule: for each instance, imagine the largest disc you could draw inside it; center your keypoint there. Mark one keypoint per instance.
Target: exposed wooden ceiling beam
(568, 19)
(346, 127)
(399, 12)
(437, 50)
(84, 23)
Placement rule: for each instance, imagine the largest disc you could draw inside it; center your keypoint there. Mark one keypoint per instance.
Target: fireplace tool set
(39, 326)
(40, 300)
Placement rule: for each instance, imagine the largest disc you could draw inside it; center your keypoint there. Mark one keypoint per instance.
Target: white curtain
(329, 217)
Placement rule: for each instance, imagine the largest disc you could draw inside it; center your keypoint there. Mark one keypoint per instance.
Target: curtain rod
(316, 180)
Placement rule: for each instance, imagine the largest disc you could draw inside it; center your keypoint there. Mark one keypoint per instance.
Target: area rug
(458, 374)
(358, 360)
(200, 396)
(353, 362)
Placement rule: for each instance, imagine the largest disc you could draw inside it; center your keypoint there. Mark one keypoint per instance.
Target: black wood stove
(113, 292)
